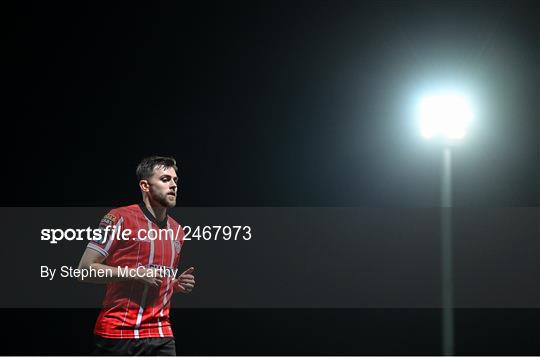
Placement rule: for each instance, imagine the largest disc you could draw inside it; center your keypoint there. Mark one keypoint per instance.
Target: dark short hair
(146, 167)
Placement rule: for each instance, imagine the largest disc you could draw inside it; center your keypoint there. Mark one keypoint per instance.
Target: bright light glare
(447, 115)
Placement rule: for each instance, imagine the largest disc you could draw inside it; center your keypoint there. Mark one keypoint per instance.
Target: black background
(271, 104)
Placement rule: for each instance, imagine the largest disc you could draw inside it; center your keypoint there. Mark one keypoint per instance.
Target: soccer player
(134, 319)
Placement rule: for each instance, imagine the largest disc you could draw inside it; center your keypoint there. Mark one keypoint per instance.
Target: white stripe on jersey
(97, 249)
(145, 292)
(168, 280)
(159, 328)
(172, 267)
(111, 239)
(141, 311)
(130, 292)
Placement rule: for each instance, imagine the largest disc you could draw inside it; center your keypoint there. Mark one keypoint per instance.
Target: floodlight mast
(446, 116)
(447, 279)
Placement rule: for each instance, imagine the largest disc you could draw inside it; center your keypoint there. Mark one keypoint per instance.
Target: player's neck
(158, 211)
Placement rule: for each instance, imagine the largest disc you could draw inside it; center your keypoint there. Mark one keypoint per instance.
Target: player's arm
(93, 260)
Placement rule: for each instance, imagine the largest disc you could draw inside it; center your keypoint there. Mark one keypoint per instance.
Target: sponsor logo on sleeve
(108, 220)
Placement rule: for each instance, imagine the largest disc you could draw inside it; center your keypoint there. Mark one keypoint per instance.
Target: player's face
(163, 186)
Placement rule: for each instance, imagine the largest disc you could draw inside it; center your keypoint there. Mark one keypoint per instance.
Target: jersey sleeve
(109, 224)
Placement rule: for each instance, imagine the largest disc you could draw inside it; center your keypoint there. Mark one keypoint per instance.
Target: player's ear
(144, 185)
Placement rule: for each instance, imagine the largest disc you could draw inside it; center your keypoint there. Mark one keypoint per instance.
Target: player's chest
(158, 246)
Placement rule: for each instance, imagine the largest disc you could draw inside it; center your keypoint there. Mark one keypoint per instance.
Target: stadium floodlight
(445, 115)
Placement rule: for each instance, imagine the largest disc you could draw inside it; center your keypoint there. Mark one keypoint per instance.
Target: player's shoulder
(129, 208)
(124, 211)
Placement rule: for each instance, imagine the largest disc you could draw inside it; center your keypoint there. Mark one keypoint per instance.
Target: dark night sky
(269, 103)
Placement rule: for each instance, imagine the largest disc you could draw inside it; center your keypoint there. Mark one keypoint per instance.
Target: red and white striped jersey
(132, 309)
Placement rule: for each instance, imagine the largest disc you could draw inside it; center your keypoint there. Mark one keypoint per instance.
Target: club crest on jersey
(108, 220)
(177, 246)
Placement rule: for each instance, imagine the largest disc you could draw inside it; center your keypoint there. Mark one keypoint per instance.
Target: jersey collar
(150, 216)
